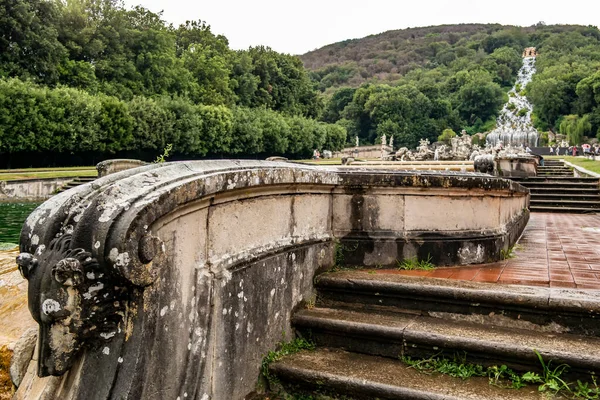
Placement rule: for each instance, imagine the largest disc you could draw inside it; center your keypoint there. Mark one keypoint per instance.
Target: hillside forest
(414, 83)
(83, 80)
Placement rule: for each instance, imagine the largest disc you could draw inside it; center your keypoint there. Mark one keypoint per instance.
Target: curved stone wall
(31, 189)
(174, 280)
(108, 167)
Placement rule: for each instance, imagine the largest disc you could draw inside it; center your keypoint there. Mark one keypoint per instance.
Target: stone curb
(490, 342)
(353, 385)
(549, 299)
(581, 169)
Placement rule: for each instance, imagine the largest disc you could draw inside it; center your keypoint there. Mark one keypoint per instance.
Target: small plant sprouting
(510, 252)
(166, 152)
(339, 249)
(457, 367)
(285, 349)
(413, 263)
(550, 381)
(310, 302)
(587, 390)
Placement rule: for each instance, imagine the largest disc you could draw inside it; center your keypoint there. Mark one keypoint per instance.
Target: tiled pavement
(556, 250)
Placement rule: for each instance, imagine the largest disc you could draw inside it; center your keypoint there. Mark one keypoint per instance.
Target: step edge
(537, 296)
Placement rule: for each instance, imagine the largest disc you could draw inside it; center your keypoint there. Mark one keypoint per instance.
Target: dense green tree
(479, 97)
(153, 124)
(336, 104)
(575, 128)
(115, 125)
(29, 45)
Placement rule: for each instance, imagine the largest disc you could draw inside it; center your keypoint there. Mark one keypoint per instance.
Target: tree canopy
(92, 75)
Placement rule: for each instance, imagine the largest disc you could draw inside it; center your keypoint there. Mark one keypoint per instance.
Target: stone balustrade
(173, 281)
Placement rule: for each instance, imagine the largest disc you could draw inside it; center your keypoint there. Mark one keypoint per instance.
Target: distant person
(574, 151)
(551, 150)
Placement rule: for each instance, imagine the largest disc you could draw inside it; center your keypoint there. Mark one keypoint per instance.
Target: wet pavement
(555, 250)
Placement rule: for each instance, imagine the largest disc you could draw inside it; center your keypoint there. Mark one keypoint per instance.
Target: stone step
(566, 192)
(368, 377)
(536, 201)
(555, 169)
(561, 179)
(569, 210)
(80, 180)
(555, 173)
(577, 196)
(520, 307)
(395, 335)
(558, 185)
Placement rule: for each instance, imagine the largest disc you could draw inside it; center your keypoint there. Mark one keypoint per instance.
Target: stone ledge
(172, 256)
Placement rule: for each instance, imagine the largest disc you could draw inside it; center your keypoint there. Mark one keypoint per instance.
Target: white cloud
(298, 27)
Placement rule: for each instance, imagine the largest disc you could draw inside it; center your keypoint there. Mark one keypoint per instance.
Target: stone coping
(122, 206)
(581, 169)
(543, 298)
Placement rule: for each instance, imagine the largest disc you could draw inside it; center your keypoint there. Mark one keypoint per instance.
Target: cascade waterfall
(512, 128)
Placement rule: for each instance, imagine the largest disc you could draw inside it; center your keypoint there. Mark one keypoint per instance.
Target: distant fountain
(514, 126)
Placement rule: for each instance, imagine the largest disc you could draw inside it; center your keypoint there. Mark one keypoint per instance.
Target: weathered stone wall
(108, 167)
(363, 152)
(30, 189)
(517, 167)
(205, 262)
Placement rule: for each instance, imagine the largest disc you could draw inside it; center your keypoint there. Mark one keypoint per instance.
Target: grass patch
(57, 173)
(413, 263)
(590, 165)
(550, 381)
(285, 349)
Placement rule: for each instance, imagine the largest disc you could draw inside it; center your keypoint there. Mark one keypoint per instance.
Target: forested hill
(415, 83)
(388, 55)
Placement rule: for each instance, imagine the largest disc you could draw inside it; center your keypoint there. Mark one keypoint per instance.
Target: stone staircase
(364, 323)
(556, 189)
(79, 180)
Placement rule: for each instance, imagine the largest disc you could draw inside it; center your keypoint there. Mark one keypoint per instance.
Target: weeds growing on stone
(414, 263)
(510, 252)
(339, 254)
(166, 152)
(550, 381)
(456, 367)
(587, 390)
(551, 378)
(285, 349)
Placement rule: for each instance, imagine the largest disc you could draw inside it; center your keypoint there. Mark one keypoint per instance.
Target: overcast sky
(300, 26)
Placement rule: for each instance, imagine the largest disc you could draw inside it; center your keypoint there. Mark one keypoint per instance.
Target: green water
(12, 217)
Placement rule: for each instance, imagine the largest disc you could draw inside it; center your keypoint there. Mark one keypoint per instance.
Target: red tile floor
(556, 250)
